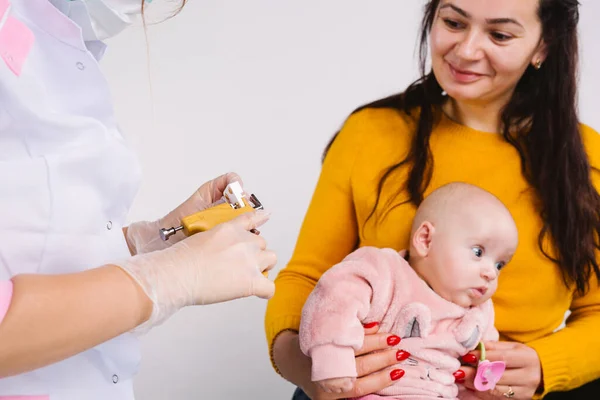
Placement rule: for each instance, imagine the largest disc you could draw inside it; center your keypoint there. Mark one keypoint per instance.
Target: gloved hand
(142, 237)
(221, 264)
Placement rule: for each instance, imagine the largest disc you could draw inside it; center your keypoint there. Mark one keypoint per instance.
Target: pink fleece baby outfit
(374, 284)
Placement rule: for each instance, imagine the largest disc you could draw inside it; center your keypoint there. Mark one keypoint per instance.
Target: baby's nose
(489, 272)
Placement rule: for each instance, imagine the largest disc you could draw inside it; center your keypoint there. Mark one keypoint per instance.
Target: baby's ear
(421, 240)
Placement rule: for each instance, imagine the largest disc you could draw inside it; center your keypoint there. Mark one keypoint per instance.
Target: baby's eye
(478, 251)
(500, 265)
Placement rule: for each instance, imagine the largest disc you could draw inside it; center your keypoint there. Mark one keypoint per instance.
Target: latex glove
(221, 264)
(142, 237)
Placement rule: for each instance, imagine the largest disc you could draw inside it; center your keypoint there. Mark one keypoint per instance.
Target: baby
(437, 299)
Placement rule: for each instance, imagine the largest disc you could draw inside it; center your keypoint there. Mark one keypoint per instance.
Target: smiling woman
(497, 110)
(479, 60)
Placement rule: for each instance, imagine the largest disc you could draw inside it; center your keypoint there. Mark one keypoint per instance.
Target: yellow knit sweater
(531, 300)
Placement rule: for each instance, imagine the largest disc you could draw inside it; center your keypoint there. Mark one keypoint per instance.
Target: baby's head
(461, 237)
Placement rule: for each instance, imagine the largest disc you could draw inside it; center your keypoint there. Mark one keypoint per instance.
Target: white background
(258, 87)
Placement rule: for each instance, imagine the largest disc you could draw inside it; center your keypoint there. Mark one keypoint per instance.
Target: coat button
(109, 225)
(80, 66)
(115, 379)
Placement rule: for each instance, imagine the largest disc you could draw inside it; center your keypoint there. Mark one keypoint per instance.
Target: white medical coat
(67, 181)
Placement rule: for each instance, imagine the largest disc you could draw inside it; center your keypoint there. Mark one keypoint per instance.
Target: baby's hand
(336, 385)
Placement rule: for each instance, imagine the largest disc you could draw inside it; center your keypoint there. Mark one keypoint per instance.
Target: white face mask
(100, 19)
(110, 17)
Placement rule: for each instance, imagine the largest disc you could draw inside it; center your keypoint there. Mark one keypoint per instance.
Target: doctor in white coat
(76, 285)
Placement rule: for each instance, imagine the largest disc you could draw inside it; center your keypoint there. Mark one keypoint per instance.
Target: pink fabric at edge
(16, 41)
(24, 397)
(6, 291)
(3, 7)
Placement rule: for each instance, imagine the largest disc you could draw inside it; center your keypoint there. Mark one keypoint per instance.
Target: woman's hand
(221, 264)
(523, 374)
(142, 237)
(376, 371)
(205, 197)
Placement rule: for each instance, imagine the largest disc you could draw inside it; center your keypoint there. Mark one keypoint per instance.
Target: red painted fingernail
(371, 325)
(459, 375)
(402, 355)
(393, 340)
(396, 374)
(460, 381)
(469, 358)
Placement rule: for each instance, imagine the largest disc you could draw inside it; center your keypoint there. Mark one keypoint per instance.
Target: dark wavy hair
(541, 122)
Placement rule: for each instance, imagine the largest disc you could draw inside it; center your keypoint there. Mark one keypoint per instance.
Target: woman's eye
(452, 23)
(500, 265)
(478, 251)
(501, 37)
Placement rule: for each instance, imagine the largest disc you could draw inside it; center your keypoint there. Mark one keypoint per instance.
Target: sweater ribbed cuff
(278, 326)
(555, 365)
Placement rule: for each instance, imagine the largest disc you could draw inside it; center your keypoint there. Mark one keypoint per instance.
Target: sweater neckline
(448, 124)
